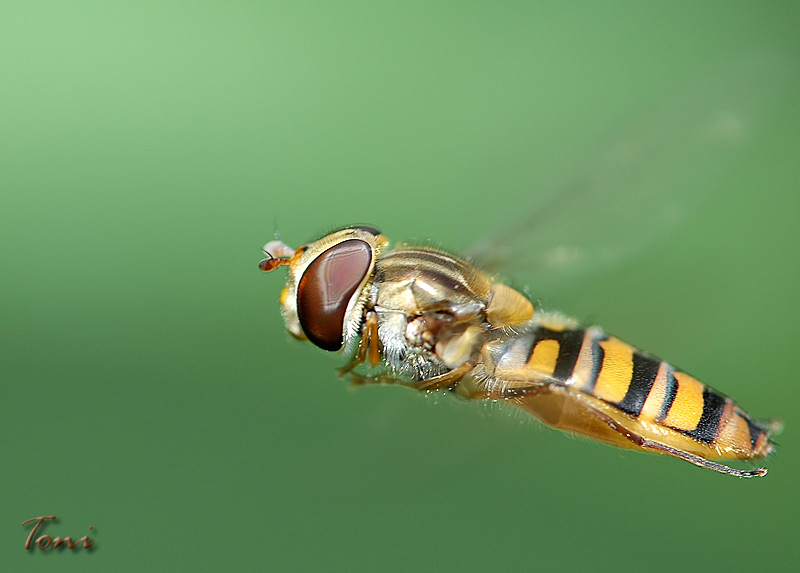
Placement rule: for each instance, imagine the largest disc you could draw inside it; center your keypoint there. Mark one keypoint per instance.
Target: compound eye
(368, 229)
(326, 288)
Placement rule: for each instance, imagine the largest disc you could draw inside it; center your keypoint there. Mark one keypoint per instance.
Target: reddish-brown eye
(326, 288)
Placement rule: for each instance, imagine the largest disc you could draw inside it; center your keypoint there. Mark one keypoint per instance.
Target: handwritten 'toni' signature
(44, 541)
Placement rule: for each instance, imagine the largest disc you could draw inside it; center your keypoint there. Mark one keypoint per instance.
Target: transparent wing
(644, 183)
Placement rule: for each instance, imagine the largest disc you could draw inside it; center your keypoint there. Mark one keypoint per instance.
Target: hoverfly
(429, 320)
(432, 321)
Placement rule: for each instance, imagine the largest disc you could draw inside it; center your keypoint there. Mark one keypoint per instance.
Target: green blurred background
(148, 151)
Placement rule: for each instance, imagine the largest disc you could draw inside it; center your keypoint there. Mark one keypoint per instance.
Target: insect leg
(371, 326)
(444, 380)
(643, 442)
(499, 393)
(359, 380)
(368, 347)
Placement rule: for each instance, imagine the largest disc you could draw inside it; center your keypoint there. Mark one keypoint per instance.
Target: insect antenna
(283, 256)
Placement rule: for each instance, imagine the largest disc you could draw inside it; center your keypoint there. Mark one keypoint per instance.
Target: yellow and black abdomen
(589, 375)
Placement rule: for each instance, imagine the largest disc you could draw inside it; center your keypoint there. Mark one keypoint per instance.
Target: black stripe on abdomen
(669, 395)
(598, 355)
(708, 426)
(569, 348)
(645, 369)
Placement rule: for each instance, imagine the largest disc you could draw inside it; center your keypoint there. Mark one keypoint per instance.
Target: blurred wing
(645, 183)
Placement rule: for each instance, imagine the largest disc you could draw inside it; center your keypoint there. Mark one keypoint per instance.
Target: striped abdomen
(663, 402)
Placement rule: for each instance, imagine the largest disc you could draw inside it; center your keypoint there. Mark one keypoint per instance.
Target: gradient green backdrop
(149, 149)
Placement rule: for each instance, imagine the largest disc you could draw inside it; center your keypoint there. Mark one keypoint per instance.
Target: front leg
(369, 346)
(436, 339)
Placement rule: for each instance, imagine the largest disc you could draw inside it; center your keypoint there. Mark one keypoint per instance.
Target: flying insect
(429, 320)
(424, 318)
